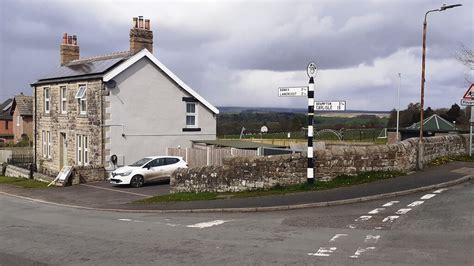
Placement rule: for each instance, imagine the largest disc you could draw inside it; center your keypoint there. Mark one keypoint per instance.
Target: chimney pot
(74, 39)
(135, 22)
(140, 22)
(65, 38)
(147, 24)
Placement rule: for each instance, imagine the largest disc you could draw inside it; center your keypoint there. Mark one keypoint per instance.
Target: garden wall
(250, 173)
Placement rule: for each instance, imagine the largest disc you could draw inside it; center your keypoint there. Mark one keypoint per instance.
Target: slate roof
(86, 67)
(239, 144)
(24, 105)
(109, 66)
(434, 123)
(5, 110)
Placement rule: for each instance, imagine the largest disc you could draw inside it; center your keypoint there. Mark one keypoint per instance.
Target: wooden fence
(202, 157)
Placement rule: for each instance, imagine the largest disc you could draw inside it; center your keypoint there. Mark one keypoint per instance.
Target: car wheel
(137, 181)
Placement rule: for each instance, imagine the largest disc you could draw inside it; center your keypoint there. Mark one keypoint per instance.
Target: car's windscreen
(140, 162)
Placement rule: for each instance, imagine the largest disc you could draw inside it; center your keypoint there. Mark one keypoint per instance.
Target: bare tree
(465, 55)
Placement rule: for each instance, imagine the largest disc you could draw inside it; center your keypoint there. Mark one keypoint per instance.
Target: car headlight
(123, 174)
(126, 173)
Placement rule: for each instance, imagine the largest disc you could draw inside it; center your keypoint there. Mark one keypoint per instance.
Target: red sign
(469, 95)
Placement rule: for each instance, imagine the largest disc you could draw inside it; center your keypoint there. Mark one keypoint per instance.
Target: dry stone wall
(251, 173)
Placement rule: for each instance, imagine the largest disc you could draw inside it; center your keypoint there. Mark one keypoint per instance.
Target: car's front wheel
(137, 181)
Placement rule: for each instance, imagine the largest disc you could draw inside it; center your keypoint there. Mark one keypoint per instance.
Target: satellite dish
(111, 84)
(264, 129)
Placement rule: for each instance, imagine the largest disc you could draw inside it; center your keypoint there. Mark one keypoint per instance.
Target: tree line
(232, 123)
(411, 115)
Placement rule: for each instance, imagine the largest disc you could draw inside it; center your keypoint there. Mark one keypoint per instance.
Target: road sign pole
(470, 131)
(310, 174)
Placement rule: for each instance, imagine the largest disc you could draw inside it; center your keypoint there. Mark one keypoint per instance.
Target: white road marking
(372, 238)
(428, 196)
(378, 228)
(403, 211)
(390, 218)
(173, 225)
(390, 203)
(377, 210)
(415, 203)
(116, 190)
(363, 218)
(359, 251)
(440, 190)
(336, 236)
(352, 226)
(323, 252)
(207, 224)
(129, 220)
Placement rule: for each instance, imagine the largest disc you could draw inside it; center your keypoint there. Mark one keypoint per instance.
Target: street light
(398, 108)
(420, 143)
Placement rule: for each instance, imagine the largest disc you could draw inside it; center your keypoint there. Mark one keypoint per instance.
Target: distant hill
(347, 113)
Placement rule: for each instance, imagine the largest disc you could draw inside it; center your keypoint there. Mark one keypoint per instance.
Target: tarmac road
(430, 228)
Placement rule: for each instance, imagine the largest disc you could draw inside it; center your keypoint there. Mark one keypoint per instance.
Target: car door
(151, 170)
(158, 169)
(170, 165)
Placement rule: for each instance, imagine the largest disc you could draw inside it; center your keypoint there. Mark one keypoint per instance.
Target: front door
(62, 150)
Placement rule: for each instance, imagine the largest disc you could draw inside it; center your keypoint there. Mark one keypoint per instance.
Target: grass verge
(22, 182)
(340, 181)
(447, 159)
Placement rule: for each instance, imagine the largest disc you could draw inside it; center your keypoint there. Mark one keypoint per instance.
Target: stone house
(6, 124)
(22, 113)
(126, 104)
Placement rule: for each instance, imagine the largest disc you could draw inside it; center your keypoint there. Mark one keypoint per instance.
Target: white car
(147, 169)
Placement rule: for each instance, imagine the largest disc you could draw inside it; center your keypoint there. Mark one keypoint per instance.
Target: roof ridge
(104, 56)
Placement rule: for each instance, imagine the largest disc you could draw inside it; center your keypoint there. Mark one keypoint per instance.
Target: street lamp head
(445, 6)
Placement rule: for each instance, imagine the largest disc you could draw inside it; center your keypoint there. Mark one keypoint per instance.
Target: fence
(201, 157)
(19, 156)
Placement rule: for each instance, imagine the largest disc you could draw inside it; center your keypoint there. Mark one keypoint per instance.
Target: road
(432, 228)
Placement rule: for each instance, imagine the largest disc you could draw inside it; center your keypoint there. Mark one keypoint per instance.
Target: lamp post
(420, 143)
(398, 108)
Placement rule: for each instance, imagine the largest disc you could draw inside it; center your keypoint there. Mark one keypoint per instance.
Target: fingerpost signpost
(302, 91)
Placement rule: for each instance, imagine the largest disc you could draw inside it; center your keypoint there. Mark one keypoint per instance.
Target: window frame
(43, 136)
(63, 99)
(47, 100)
(82, 150)
(81, 95)
(49, 144)
(192, 114)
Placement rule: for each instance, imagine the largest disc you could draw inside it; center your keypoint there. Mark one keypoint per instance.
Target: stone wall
(84, 174)
(14, 171)
(240, 174)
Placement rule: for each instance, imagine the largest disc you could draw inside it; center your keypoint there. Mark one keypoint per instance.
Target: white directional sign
(330, 106)
(467, 102)
(293, 91)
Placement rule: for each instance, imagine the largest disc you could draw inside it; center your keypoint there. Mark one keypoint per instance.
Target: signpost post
(468, 100)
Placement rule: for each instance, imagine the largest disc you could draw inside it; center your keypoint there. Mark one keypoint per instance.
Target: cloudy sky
(237, 53)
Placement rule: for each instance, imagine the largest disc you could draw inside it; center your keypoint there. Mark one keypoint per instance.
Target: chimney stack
(69, 50)
(141, 35)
